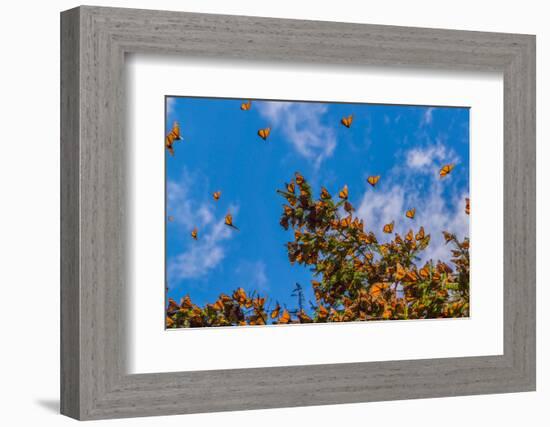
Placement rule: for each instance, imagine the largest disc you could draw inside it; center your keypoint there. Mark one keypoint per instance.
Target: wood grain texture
(94, 271)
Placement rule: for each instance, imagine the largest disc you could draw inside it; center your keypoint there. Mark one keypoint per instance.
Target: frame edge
(70, 404)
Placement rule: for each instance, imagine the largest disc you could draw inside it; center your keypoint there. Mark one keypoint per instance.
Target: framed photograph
(278, 213)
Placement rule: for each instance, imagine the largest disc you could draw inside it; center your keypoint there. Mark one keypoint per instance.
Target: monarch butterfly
(169, 322)
(376, 289)
(195, 233)
(216, 195)
(245, 106)
(400, 272)
(346, 121)
(229, 221)
(409, 236)
(348, 207)
(325, 195)
(275, 312)
(171, 218)
(410, 213)
(174, 135)
(323, 312)
(446, 170)
(373, 180)
(388, 228)
(264, 133)
(448, 236)
(420, 235)
(172, 305)
(299, 178)
(218, 305)
(343, 194)
(467, 209)
(290, 187)
(424, 272)
(345, 222)
(285, 317)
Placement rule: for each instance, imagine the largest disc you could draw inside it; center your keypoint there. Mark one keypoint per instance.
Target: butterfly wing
(373, 180)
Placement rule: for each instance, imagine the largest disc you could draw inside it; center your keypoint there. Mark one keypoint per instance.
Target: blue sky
(406, 145)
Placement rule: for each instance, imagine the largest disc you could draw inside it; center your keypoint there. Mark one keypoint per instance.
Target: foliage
(356, 276)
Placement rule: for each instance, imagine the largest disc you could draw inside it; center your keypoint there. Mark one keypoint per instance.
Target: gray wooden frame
(94, 41)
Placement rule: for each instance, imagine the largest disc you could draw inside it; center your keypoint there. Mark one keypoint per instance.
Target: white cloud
(301, 123)
(427, 117)
(419, 158)
(170, 106)
(204, 254)
(401, 192)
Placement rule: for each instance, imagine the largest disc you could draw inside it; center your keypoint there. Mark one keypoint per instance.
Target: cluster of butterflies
(174, 135)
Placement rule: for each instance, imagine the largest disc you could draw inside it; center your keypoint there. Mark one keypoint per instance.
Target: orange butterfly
(410, 213)
(373, 180)
(409, 236)
(299, 178)
(467, 209)
(388, 228)
(323, 312)
(245, 106)
(229, 221)
(174, 135)
(424, 272)
(275, 312)
(264, 133)
(376, 289)
(195, 233)
(285, 317)
(420, 235)
(216, 195)
(346, 121)
(343, 194)
(345, 222)
(400, 272)
(290, 188)
(446, 170)
(325, 195)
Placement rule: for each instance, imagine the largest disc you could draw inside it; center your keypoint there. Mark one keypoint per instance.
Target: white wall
(29, 216)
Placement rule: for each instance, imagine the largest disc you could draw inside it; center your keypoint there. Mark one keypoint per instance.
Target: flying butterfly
(264, 133)
(343, 194)
(410, 213)
(388, 228)
(346, 121)
(245, 106)
(467, 208)
(195, 233)
(373, 180)
(216, 195)
(446, 170)
(174, 135)
(229, 221)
